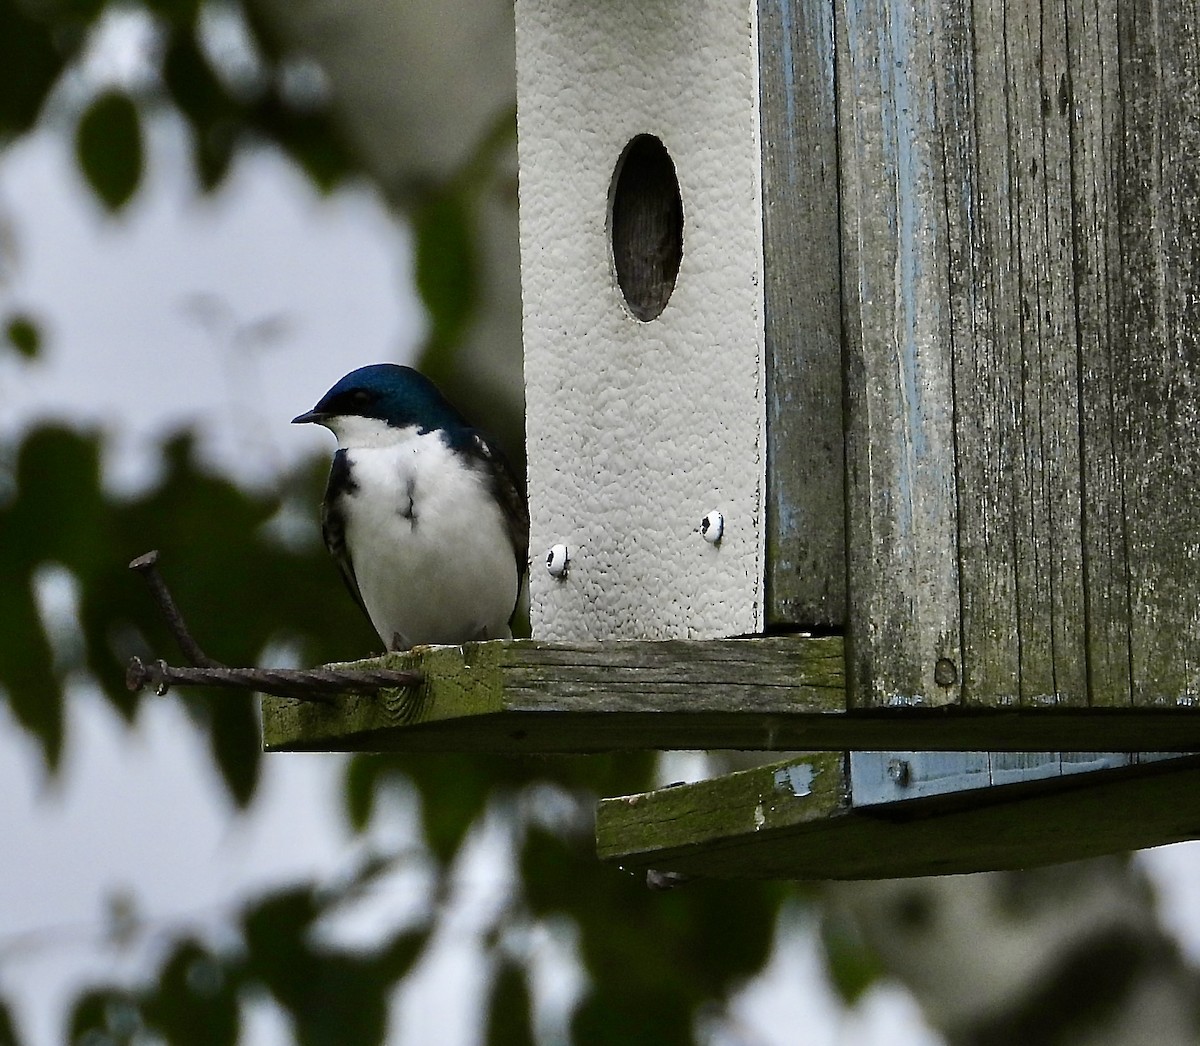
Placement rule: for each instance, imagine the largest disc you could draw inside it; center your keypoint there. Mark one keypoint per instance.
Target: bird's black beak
(309, 417)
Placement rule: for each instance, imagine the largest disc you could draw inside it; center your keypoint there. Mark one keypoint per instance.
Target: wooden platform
(1017, 787)
(798, 820)
(783, 693)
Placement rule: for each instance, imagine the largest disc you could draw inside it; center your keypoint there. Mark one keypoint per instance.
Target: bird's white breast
(429, 545)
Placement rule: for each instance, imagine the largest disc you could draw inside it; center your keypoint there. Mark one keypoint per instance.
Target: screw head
(557, 560)
(945, 672)
(900, 771)
(712, 526)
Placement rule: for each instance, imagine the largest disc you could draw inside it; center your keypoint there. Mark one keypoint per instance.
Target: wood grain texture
(1016, 366)
(783, 693)
(902, 533)
(1159, 194)
(806, 517)
(527, 695)
(1021, 220)
(793, 820)
(1096, 121)
(706, 814)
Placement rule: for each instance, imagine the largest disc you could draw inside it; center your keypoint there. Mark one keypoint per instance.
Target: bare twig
(308, 684)
(304, 684)
(147, 566)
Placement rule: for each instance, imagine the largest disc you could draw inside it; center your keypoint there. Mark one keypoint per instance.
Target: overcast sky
(233, 312)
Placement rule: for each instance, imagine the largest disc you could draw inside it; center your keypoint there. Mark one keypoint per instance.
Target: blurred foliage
(32, 55)
(216, 544)
(851, 965)
(445, 270)
(331, 995)
(8, 1030)
(41, 39)
(510, 1014)
(108, 147)
(24, 335)
(653, 960)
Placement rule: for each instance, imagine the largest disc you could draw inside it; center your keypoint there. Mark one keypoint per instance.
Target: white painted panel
(637, 429)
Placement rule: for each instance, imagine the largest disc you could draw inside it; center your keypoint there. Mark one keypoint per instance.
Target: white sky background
(140, 814)
(150, 316)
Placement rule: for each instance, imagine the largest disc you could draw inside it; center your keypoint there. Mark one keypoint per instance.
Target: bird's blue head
(400, 397)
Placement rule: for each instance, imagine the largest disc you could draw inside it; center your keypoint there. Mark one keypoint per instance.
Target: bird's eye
(360, 398)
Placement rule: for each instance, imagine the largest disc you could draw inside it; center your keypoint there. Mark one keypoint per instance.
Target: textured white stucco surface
(635, 429)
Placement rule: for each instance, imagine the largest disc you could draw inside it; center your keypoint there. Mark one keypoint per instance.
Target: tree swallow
(422, 512)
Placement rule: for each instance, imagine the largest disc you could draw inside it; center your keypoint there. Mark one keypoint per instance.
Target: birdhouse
(976, 229)
(863, 395)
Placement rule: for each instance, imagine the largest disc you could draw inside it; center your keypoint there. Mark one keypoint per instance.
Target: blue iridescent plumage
(422, 512)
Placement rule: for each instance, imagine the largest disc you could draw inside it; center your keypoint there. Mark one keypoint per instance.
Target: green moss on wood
(747, 825)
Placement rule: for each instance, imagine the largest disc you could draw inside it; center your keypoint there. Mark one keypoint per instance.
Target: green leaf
(333, 997)
(195, 1000)
(56, 517)
(235, 743)
(31, 65)
(105, 1015)
(510, 1011)
(653, 966)
(108, 147)
(180, 12)
(27, 670)
(454, 793)
(345, 1002)
(549, 867)
(199, 94)
(445, 265)
(24, 335)
(310, 138)
(276, 931)
(8, 1027)
(401, 955)
(647, 1015)
(59, 510)
(362, 778)
(850, 962)
(73, 11)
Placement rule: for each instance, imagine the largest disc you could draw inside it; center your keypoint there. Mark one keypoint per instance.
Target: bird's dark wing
(507, 492)
(333, 523)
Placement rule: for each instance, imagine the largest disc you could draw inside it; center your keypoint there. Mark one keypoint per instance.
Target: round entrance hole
(645, 224)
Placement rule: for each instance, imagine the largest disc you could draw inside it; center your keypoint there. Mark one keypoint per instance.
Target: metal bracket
(888, 777)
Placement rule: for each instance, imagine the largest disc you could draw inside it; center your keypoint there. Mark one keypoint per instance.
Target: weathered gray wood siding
(806, 518)
(1159, 388)
(1020, 209)
(897, 299)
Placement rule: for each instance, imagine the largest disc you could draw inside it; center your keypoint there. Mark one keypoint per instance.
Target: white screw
(556, 560)
(712, 526)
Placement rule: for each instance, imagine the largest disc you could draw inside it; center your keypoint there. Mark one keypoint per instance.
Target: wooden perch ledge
(776, 693)
(801, 820)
